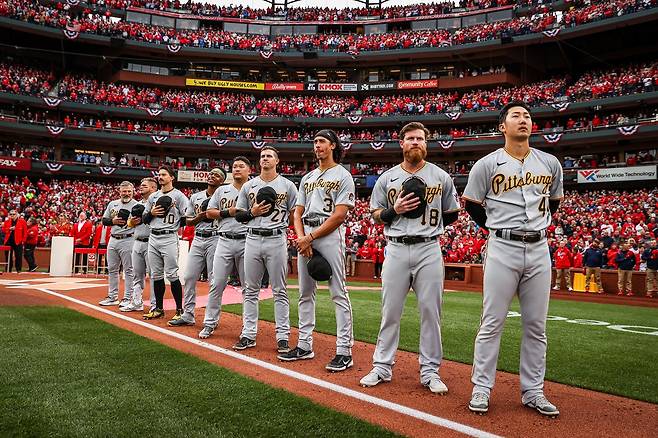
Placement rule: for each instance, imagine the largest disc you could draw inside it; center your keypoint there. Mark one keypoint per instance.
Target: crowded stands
(631, 79)
(106, 25)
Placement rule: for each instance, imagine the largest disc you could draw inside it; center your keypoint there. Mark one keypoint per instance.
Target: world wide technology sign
(634, 173)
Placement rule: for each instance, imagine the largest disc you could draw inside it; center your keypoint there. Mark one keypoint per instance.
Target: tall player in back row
(326, 195)
(414, 200)
(512, 192)
(202, 250)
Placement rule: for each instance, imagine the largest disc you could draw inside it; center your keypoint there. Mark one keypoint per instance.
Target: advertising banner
(11, 163)
(324, 86)
(224, 84)
(634, 173)
(284, 86)
(376, 86)
(425, 83)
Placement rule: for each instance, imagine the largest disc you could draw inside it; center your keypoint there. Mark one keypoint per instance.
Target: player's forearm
(297, 223)
(376, 216)
(193, 220)
(477, 213)
(107, 222)
(243, 216)
(213, 213)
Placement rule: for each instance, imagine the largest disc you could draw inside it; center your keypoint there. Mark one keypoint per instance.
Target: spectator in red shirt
(31, 241)
(15, 231)
(611, 255)
(377, 256)
(82, 231)
(563, 261)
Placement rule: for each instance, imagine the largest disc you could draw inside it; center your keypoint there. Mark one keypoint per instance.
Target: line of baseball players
(242, 226)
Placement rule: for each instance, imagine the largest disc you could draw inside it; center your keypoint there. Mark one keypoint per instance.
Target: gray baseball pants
(119, 253)
(140, 269)
(202, 253)
(228, 255)
(163, 256)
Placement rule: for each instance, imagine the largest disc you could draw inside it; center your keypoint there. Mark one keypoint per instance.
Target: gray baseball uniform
(119, 250)
(319, 193)
(515, 195)
(202, 253)
(229, 254)
(163, 240)
(266, 247)
(417, 265)
(141, 264)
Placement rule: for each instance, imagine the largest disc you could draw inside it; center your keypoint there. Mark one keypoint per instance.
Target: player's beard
(126, 199)
(415, 156)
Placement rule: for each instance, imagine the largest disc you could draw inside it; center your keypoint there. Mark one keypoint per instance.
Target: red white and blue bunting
(377, 145)
(453, 116)
(354, 120)
(551, 33)
(266, 53)
(73, 2)
(55, 130)
(560, 106)
(347, 146)
(219, 142)
(54, 167)
(445, 44)
(628, 130)
(173, 48)
(553, 138)
(258, 144)
(52, 102)
(159, 139)
(70, 34)
(446, 144)
(107, 170)
(154, 173)
(249, 118)
(154, 112)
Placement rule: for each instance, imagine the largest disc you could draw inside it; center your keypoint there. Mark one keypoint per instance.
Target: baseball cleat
(340, 363)
(178, 321)
(543, 406)
(437, 386)
(244, 343)
(124, 302)
(154, 314)
(282, 346)
(206, 332)
(132, 308)
(108, 302)
(479, 403)
(372, 379)
(296, 354)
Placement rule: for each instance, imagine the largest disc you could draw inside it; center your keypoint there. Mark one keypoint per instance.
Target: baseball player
(229, 254)
(326, 195)
(165, 212)
(413, 219)
(264, 205)
(119, 249)
(512, 192)
(202, 250)
(139, 255)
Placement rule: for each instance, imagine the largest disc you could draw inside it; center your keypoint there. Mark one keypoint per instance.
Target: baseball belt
(313, 222)
(163, 232)
(411, 240)
(265, 232)
(206, 233)
(121, 236)
(233, 236)
(142, 239)
(520, 236)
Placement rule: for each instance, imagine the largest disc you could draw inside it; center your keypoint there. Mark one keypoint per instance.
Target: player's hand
(135, 220)
(405, 203)
(308, 253)
(157, 211)
(260, 209)
(303, 243)
(118, 221)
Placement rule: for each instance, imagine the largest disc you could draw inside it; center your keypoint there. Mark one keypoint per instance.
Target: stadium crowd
(104, 24)
(19, 79)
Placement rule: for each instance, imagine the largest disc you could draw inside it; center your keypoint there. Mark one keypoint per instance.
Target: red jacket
(99, 231)
(612, 253)
(563, 258)
(82, 237)
(377, 255)
(20, 230)
(578, 260)
(32, 235)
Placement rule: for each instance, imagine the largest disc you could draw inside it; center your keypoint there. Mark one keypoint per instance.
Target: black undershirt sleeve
(449, 218)
(107, 221)
(553, 205)
(477, 213)
(243, 216)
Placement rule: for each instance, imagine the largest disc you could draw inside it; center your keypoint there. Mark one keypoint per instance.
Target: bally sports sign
(634, 173)
(12, 163)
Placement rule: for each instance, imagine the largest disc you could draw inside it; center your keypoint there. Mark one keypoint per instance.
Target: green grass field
(586, 356)
(67, 374)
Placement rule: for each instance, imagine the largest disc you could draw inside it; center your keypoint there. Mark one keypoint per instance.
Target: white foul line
(424, 416)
